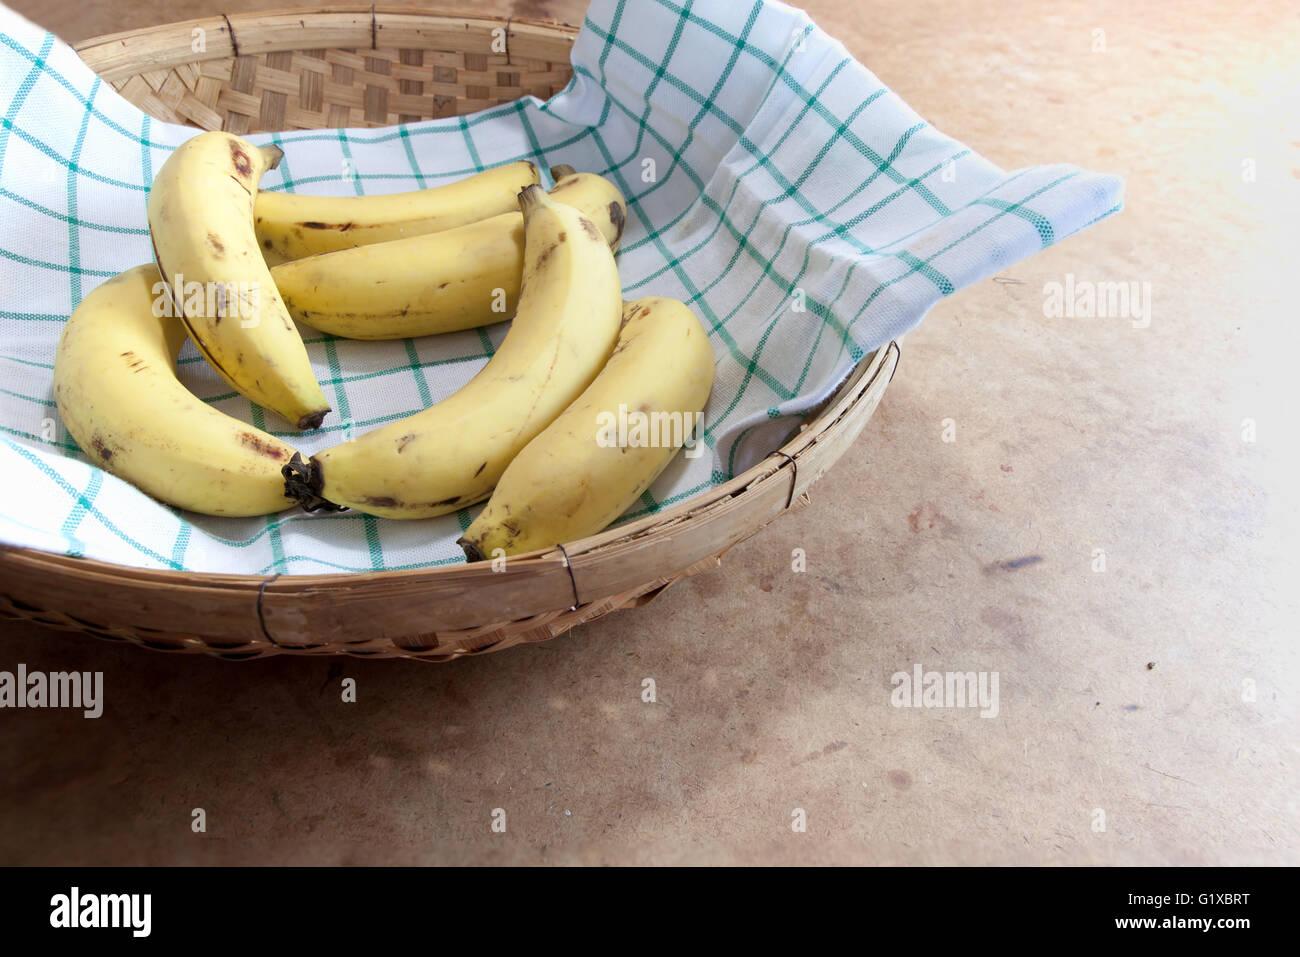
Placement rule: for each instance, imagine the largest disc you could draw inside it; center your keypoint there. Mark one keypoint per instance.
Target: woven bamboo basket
(368, 66)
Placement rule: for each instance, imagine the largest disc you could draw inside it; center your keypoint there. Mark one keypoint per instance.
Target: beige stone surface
(1126, 690)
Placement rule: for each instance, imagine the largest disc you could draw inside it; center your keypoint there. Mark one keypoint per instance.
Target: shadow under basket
(368, 66)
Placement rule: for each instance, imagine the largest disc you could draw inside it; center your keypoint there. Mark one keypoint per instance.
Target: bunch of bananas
(541, 431)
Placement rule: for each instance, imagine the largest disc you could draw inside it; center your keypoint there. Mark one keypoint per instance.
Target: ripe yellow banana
(291, 225)
(442, 282)
(452, 453)
(116, 389)
(201, 221)
(593, 462)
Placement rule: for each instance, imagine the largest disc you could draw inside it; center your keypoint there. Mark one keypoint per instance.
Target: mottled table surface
(1146, 712)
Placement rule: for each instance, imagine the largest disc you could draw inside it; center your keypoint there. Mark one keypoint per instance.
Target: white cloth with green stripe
(804, 212)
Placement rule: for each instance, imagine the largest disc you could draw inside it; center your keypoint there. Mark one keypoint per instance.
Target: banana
(442, 282)
(116, 390)
(291, 225)
(201, 222)
(593, 462)
(452, 453)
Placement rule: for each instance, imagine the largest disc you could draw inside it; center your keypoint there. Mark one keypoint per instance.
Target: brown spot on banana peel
(541, 262)
(387, 501)
(101, 448)
(217, 246)
(618, 219)
(590, 228)
(243, 163)
(262, 447)
(341, 227)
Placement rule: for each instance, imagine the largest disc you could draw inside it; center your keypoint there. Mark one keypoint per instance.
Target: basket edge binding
(119, 56)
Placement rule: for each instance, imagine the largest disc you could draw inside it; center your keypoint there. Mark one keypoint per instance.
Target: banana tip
(472, 552)
(312, 420)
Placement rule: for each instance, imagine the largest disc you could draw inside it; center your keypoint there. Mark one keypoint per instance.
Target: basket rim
(222, 33)
(544, 561)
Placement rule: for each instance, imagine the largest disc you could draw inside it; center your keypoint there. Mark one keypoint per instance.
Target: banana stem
(532, 198)
(271, 155)
(302, 484)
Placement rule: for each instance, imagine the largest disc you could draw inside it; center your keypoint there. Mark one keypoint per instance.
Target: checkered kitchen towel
(765, 170)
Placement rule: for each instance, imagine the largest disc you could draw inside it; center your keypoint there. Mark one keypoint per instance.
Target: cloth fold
(802, 209)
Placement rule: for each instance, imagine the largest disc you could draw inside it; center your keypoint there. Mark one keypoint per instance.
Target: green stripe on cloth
(373, 543)
(64, 218)
(85, 505)
(41, 67)
(54, 267)
(74, 278)
(10, 127)
(1039, 221)
(410, 158)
